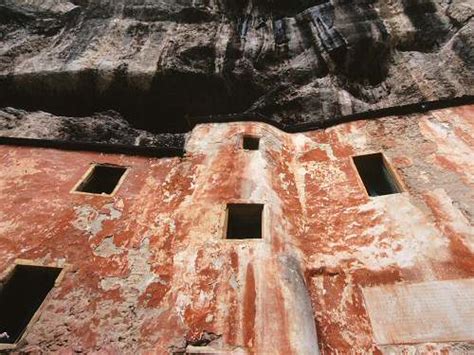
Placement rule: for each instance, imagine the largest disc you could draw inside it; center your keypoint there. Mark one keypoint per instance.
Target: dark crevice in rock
(101, 128)
(162, 107)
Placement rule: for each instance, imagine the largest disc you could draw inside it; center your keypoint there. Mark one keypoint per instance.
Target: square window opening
(250, 142)
(103, 179)
(376, 175)
(21, 295)
(244, 221)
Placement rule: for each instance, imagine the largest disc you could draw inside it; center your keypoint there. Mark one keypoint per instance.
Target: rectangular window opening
(376, 175)
(250, 142)
(21, 295)
(244, 221)
(103, 179)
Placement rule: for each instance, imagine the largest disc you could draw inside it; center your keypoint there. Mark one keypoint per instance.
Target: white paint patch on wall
(435, 311)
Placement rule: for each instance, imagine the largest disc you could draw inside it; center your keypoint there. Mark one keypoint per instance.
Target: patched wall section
(435, 311)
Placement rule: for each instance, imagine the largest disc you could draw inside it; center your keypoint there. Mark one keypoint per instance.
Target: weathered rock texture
(291, 61)
(150, 272)
(106, 128)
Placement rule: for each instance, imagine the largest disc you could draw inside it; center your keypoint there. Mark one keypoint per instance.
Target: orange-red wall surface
(149, 270)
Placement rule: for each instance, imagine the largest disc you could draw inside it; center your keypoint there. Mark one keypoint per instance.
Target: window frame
(389, 166)
(89, 172)
(8, 273)
(250, 136)
(263, 218)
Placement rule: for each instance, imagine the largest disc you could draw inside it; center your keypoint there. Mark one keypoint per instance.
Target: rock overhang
(292, 62)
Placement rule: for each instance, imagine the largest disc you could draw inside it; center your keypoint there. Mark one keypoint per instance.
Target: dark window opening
(251, 143)
(103, 179)
(376, 175)
(244, 221)
(20, 297)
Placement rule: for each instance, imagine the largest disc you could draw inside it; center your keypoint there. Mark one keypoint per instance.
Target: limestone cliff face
(157, 62)
(103, 128)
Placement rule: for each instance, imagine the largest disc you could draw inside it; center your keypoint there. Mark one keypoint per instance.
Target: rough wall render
(150, 271)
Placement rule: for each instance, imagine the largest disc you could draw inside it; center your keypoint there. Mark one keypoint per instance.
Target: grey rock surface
(158, 62)
(106, 127)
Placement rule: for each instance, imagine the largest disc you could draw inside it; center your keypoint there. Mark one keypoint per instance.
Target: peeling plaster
(151, 271)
